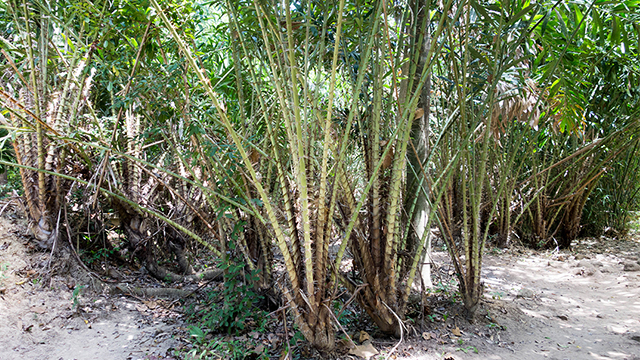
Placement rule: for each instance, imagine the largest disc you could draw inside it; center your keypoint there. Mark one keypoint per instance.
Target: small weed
(441, 287)
(14, 181)
(3, 273)
(448, 289)
(493, 325)
(206, 347)
(75, 294)
(93, 256)
(467, 349)
(346, 316)
(297, 336)
(233, 308)
(497, 295)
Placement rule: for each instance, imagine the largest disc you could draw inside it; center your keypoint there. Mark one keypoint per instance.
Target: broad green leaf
(520, 14)
(615, 30)
(554, 88)
(596, 21)
(625, 41)
(563, 26)
(550, 68)
(637, 28)
(477, 55)
(541, 56)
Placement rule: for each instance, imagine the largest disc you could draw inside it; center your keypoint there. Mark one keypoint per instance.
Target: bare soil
(41, 318)
(578, 304)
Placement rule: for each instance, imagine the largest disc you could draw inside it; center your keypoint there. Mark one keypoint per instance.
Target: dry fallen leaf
(365, 350)
(363, 336)
(150, 304)
(344, 344)
(419, 113)
(456, 332)
(38, 309)
(426, 336)
(273, 339)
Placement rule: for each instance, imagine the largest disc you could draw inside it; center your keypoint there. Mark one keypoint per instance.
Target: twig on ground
(340, 325)
(73, 250)
(286, 335)
(279, 309)
(5, 206)
(401, 330)
(191, 293)
(360, 287)
(55, 239)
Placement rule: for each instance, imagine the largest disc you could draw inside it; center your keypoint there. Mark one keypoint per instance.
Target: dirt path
(45, 324)
(551, 305)
(576, 308)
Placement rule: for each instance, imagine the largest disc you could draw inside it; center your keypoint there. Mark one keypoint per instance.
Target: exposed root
(166, 293)
(163, 274)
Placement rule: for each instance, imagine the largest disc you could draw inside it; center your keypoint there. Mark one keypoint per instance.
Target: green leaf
(520, 14)
(563, 26)
(615, 31)
(625, 41)
(554, 88)
(480, 9)
(545, 22)
(550, 68)
(596, 21)
(477, 55)
(637, 28)
(196, 332)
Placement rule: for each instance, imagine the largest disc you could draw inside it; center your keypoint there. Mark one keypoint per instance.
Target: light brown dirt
(579, 304)
(40, 321)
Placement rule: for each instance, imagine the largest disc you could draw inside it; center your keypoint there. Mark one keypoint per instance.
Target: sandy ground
(575, 308)
(40, 321)
(579, 304)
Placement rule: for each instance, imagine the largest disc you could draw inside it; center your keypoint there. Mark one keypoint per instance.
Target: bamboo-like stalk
(37, 110)
(48, 108)
(279, 234)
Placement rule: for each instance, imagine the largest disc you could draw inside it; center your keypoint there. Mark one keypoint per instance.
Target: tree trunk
(420, 143)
